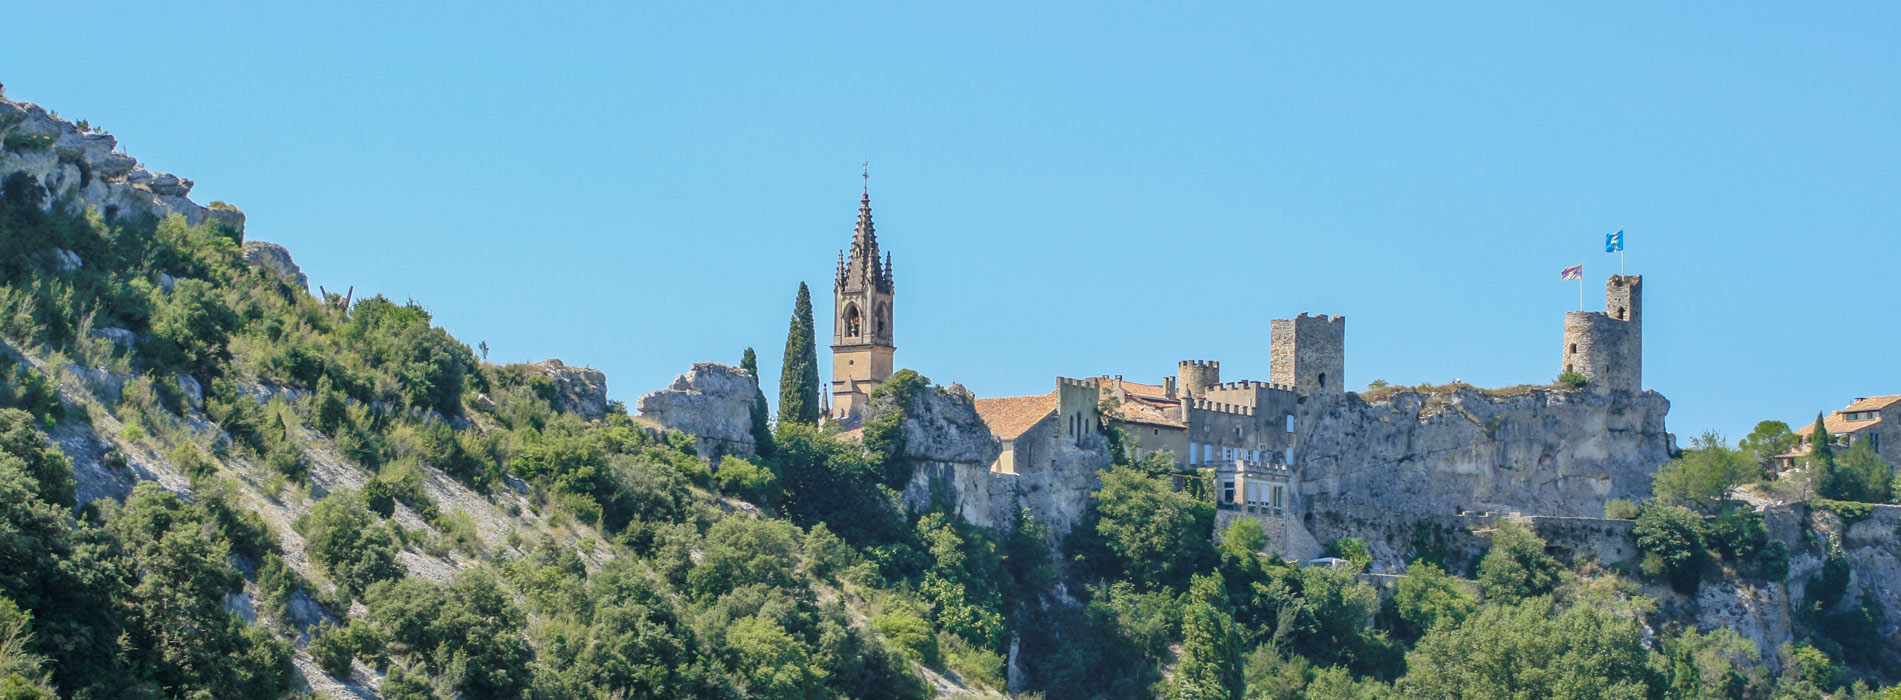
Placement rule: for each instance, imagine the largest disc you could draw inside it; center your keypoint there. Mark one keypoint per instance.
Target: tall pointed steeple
(862, 345)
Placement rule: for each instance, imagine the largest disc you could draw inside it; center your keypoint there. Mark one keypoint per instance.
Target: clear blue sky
(1068, 189)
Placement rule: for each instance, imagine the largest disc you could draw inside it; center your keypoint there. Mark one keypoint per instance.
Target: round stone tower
(1196, 375)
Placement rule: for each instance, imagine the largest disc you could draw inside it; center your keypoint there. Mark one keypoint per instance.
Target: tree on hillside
(1821, 444)
(1768, 439)
(1524, 651)
(1859, 475)
(761, 430)
(1138, 528)
(798, 377)
(1516, 567)
(1210, 667)
(1705, 474)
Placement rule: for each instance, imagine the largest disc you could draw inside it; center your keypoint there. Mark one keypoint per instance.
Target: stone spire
(861, 265)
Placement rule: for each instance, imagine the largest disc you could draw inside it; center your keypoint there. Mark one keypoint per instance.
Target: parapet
(1090, 383)
(1220, 407)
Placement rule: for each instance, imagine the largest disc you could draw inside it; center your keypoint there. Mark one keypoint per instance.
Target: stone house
(1030, 429)
(1875, 420)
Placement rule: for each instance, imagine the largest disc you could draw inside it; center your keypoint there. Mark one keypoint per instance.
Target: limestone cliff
(1385, 465)
(578, 390)
(951, 450)
(87, 165)
(713, 403)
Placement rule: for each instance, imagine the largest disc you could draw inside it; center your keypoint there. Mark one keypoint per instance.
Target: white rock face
(86, 165)
(951, 451)
(1540, 453)
(713, 403)
(1376, 470)
(580, 390)
(275, 257)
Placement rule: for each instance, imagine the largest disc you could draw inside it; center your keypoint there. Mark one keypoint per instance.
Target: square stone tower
(1309, 354)
(862, 296)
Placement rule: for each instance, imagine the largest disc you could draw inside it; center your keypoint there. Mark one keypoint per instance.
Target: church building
(861, 322)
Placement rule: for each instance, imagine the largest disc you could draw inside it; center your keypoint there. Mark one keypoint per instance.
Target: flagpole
(1580, 285)
(1620, 252)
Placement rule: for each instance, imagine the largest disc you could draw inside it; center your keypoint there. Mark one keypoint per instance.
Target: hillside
(216, 484)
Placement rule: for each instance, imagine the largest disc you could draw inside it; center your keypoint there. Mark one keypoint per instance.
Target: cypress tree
(761, 432)
(798, 378)
(1822, 444)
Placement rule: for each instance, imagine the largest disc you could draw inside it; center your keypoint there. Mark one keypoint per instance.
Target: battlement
(1196, 375)
(1249, 384)
(1200, 404)
(1090, 383)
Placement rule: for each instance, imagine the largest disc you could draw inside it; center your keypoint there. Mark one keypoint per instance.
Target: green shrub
(19, 143)
(905, 627)
(1620, 509)
(351, 545)
(744, 477)
(1672, 542)
(1572, 380)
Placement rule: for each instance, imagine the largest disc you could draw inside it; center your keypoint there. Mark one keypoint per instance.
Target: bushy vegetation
(649, 581)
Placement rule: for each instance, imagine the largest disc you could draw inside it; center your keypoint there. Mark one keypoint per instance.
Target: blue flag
(1614, 242)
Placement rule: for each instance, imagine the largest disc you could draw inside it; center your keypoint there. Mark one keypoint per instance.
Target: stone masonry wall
(1306, 352)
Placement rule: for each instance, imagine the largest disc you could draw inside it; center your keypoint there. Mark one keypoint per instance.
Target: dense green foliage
(761, 426)
(644, 578)
(798, 376)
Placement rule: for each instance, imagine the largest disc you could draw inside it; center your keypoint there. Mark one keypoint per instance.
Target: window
(1207, 453)
(1227, 491)
(1227, 454)
(1574, 348)
(1290, 422)
(1289, 457)
(1193, 456)
(1323, 380)
(1620, 313)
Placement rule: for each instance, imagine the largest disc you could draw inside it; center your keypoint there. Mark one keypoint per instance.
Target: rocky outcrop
(941, 425)
(951, 450)
(581, 391)
(87, 166)
(274, 257)
(713, 403)
(1418, 456)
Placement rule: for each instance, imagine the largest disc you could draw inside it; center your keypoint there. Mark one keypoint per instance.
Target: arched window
(852, 322)
(1323, 380)
(1620, 313)
(883, 318)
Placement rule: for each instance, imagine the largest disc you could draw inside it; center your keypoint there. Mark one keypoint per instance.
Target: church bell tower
(861, 320)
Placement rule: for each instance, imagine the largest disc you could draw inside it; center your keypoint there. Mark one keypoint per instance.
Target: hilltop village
(1299, 452)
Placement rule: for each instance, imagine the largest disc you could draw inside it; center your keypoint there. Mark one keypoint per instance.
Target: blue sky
(1074, 189)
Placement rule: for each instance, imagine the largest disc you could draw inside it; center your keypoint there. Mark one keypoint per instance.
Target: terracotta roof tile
(1009, 417)
(1838, 425)
(1872, 403)
(1142, 412)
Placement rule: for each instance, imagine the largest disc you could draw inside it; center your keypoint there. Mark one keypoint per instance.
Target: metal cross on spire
(867, 177)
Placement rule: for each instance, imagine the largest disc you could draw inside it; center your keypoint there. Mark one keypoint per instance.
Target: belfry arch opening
(853, 324)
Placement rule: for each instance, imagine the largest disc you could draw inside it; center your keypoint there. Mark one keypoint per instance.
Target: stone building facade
(862, 339)
(1032, 430)
(1607, 347)
(1875, 420)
